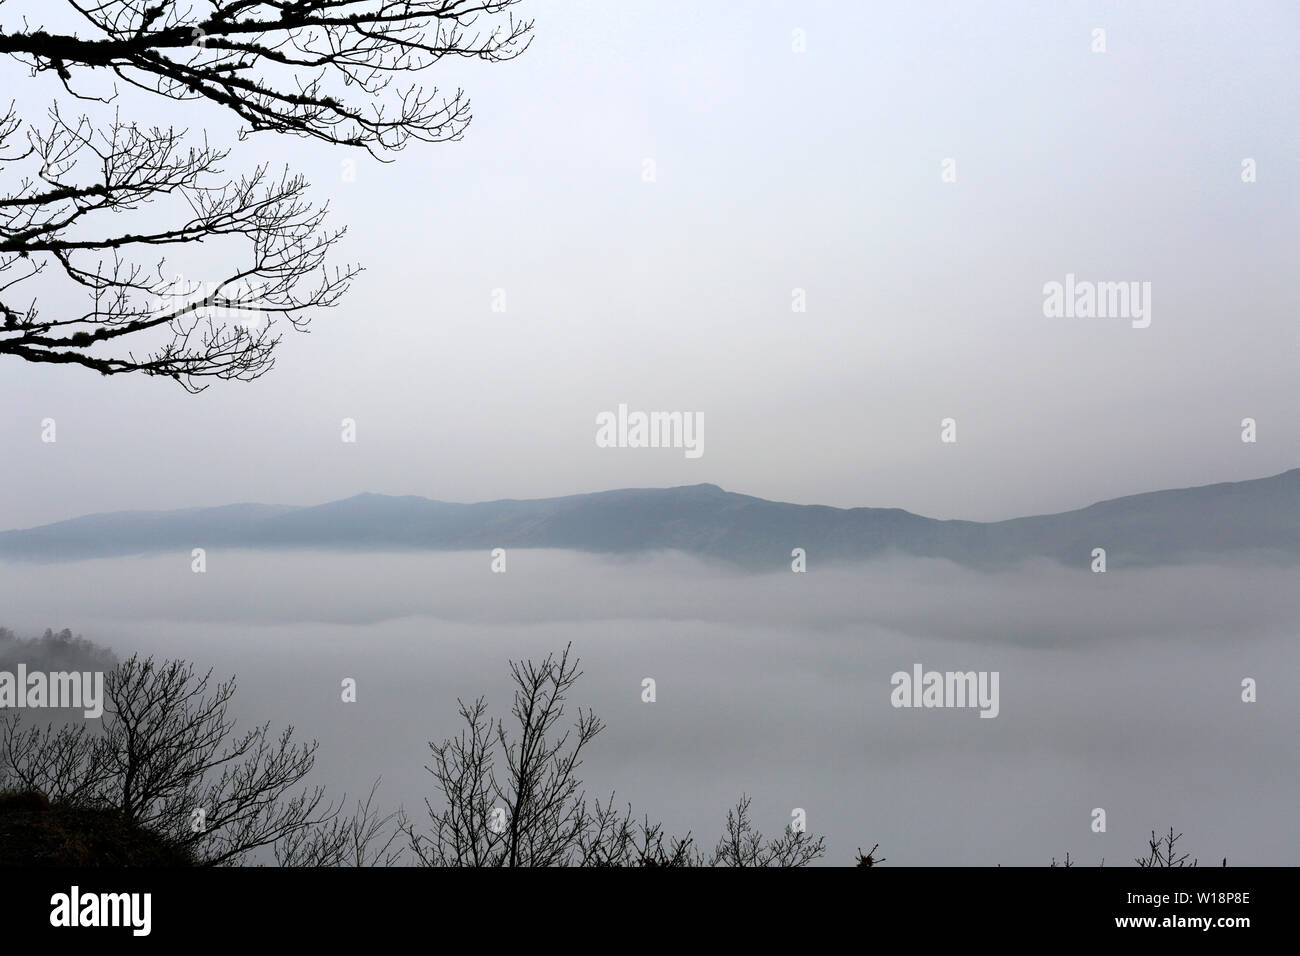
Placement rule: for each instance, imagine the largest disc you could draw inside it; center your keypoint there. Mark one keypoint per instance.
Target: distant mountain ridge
(1260, 516)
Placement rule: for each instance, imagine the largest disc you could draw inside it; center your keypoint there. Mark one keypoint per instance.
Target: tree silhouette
(511, 795)
(364, 838)
(1163, 852)
(166, 748)
(320, 69)
(743, 845)
(510, 790)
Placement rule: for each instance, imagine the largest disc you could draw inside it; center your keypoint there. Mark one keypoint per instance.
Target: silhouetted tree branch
(322, 69)
(743, 845)
(289, 66)
(1163, 852)
(363, 838)
(164, 749)
(511, 795)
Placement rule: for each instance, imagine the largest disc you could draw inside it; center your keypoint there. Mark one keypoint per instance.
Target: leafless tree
(167, 758)
(615, 839)
(510, 795)
(1163, 852)
(743, 845)
(362, 839)
(320, 69)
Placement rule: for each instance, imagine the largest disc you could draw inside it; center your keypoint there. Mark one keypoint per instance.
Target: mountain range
(1259, 518)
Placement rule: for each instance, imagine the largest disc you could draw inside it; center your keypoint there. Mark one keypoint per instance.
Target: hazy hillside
(1260, 516)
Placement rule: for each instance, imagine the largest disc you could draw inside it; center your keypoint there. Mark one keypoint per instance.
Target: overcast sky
(774, 170)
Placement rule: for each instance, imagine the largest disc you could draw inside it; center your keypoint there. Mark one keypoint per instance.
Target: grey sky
(775, 171)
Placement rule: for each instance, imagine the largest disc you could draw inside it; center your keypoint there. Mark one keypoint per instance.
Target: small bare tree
(167, 758)
(511, 795)
(362, 839)
(1163, 852)
(743, 845)
(615, 840)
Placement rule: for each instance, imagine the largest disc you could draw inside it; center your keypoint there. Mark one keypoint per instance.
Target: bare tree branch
(322, 69)
(167, 758)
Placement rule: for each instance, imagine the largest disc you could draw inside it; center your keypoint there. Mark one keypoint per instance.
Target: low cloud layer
(1120, 691)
